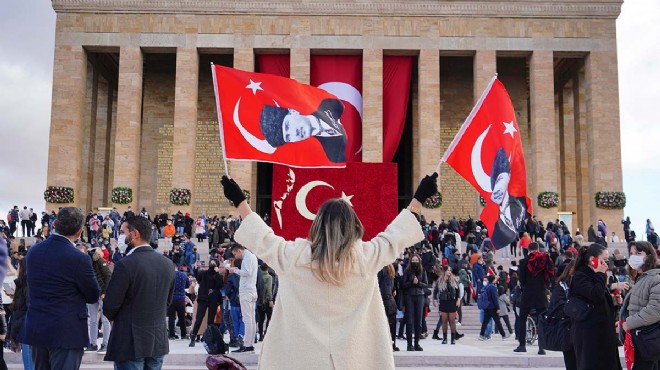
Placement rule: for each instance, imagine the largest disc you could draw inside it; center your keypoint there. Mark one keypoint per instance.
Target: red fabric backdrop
(274, 64)
(336, 74)
(396, 92)
(372, 188)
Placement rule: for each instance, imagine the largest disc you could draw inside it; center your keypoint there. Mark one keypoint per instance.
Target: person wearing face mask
(414, 284)
(644, 301)
(210, 283)
(594, 338)
(54, 327)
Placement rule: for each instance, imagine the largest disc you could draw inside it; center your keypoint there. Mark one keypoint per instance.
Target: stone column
(543, 132)
(372, 105)
(604, 135)
(129, 122)
(185, 122)
(484, 68)
(567, 158)
(66, 123)
(300, 60)
(244, 172)
(426, 125)
(585, 200)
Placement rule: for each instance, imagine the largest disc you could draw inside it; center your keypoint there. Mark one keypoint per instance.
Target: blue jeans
(237, 321)
(179, 230)
(27, 357)
(489, 328)
(145, 363)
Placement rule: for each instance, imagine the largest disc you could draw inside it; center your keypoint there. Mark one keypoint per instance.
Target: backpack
(213, 341)
(553, 239)
(482, 299)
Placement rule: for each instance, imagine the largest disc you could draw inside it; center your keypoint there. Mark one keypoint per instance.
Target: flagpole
(217, 107)
(467, 123)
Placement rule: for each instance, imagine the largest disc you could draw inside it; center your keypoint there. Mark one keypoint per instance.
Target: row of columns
(68, 106)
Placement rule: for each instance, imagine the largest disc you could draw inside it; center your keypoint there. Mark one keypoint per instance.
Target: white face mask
(636, 262)
(121, 243)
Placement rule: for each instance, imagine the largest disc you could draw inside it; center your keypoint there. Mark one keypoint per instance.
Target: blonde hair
(333, 234)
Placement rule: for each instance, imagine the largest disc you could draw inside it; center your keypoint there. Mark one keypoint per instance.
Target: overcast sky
(27, 30)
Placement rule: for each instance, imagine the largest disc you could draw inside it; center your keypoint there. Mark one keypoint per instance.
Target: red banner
(487, 152)
(274, 64)
(396, 92)
(268, 118)
(371, 188)
(341, 75)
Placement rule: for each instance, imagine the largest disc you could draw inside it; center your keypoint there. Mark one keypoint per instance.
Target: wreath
(58, 194)
(610, 199)
(180, 197)
(122, 195)
(548, 199)
(434, 201)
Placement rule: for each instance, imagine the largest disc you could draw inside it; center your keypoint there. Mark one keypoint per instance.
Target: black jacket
(594, 339)
(136, 302)
(210, 282)
(534, 288)
(414, 289)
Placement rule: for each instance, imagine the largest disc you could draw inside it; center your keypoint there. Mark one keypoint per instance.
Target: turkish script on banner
(488, 153)
(341, 75)
(298, 193)
(268, 118)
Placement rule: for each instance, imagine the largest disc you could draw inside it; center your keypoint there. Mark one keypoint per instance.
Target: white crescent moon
(301, 198)
(483, 179)
(258, 144)
(347, 93)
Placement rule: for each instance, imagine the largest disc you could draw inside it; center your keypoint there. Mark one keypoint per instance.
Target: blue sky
(26, 63)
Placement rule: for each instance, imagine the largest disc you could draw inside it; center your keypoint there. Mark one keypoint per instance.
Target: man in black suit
(136, 301)
(62, 282)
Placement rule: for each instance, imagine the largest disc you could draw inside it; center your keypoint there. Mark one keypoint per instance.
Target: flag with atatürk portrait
(268, 118)
(298, 193)
(488, 153)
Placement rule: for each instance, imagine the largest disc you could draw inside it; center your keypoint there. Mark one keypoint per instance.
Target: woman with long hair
(558, 298)
(446, 296)
(644, 301)
(329, 308)
(414, 285)
(594, 338)
(19, 309)
(386, 283)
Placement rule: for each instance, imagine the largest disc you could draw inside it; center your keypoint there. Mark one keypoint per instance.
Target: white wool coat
(317, 325)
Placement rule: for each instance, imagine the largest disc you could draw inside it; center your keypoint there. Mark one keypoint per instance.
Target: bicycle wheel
(531, 332)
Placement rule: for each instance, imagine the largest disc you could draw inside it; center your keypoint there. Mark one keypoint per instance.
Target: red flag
(487, 152)
(371, 188)
(268, 118)
(341, 75)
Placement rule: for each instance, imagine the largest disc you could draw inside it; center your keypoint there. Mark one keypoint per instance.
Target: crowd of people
(455, 264)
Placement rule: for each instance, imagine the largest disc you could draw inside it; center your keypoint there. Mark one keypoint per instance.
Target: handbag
(577, 309)
(554, 328)
(646, 341)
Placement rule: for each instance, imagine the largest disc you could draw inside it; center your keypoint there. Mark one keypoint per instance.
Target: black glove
(232, 191)
(427, 187)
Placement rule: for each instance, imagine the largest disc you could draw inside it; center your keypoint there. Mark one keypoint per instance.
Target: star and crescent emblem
(482, 178)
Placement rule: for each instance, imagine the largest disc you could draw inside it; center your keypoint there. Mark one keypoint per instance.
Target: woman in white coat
(329, 313)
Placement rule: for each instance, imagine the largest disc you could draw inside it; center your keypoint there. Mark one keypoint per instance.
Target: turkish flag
(487, 152)
(341, 75)
(371, 188)
(269, 118)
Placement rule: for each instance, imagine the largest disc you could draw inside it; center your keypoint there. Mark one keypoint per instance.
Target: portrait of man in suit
(513, 210)
(62, 282)
(283, 125)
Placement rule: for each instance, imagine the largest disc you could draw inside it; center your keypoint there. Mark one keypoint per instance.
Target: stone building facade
(133, 100)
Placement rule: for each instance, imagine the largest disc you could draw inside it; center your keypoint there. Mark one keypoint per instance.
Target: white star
(509, 128)
(254, 86)
(347, 198)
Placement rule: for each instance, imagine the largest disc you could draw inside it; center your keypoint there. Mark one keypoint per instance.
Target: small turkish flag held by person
(269, 118)
(487, 152)
(370, 188)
